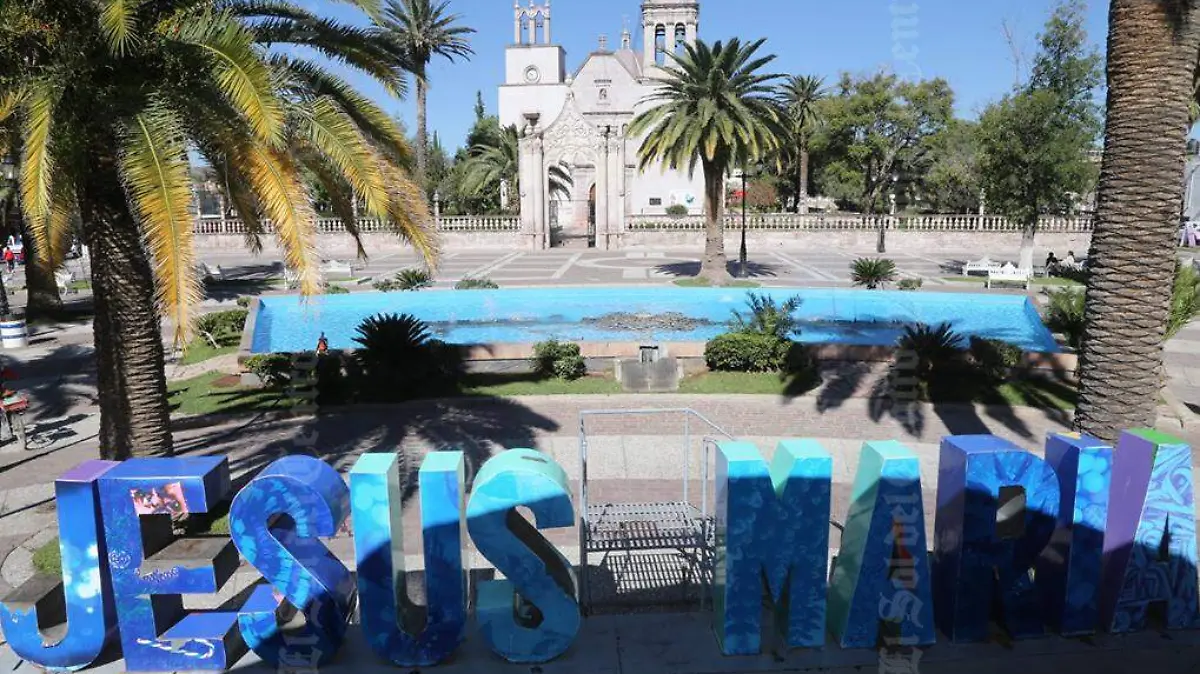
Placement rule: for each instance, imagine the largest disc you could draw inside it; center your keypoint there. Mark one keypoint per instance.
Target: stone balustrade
(792, 222)
(472, 223)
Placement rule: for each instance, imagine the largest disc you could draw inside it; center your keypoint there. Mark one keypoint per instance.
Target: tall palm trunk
(422, 128)
(1152, 49)
(134, 413)
(42, 289)
(803, 196)
(1028, 239)
(714, 266)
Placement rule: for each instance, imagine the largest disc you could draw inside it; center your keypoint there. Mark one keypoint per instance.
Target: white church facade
(576, 122)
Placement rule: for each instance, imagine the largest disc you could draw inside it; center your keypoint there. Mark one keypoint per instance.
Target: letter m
(773, 537)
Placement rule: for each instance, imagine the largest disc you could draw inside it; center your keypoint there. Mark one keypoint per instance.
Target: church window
(539, 28)
(680, 39)
(656, 201)
(660, 45)
(526, 36)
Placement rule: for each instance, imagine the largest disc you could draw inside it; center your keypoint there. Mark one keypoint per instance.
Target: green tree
(949, 177)
(420, 30)
(716, 110)
(1151, 61)
(801, 95)
(480, 108)
(496, 157)
(876, 127)
(1035, 144)
(109, 98)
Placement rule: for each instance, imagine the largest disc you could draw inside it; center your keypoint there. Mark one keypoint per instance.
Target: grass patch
(1049, 281)
(48, 558)
(200, 350)
(80, 285)
(503, 385)
(696, 282)
(1034, 393)
(201, 395)
(712, 383)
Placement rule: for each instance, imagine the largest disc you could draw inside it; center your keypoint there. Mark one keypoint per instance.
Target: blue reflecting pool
(526, 315)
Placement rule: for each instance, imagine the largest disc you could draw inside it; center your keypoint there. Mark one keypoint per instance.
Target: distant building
(579, 121)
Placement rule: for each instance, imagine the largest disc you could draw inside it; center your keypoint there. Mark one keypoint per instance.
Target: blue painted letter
(771, 523)
(146, 587)
(882, 569)
(536, 572)
(293, 560)
(87, 593)
(971, 557)
(379, 548)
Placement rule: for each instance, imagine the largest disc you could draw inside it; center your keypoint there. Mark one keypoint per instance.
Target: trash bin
(13, 334)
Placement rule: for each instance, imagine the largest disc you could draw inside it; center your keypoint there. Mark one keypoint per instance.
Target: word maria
(1095, 526)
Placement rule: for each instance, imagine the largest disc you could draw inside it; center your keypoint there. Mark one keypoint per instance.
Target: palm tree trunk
(714, 266)
(43, 297)
(422, 129)
(134, 412)
(1028, 238)
(803, 196)
(1151, 58)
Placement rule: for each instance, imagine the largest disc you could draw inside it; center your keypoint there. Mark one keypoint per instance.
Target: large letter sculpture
(376, 496)
(971, 557)
(87, 594)
(1152, 512)
(147, 578)
(773, 524)
(1068, 572)
(882, 571)
(293, 560)
(537, 573)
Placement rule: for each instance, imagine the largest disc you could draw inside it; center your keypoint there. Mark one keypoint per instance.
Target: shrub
(223, 327)
(244, 301)
(1065, 315)
(747, 352)
(910, 284)
(995, 359)
(935, 347)
(385, 286)
(331, 289)
(272, 369)
(872, 273)
(765, 316)
(553, 359)
(401, 361)
(1185, 300)
(476, 284)
(413, 279)
(677, 210)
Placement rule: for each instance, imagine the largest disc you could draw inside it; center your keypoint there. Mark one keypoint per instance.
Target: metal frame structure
(630, 527)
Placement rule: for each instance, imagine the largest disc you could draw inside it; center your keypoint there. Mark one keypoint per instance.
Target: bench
(337, 268)
(985, 266)
(1010, 274)
(212, 272)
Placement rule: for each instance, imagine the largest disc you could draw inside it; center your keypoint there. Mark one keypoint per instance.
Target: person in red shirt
(10, 259)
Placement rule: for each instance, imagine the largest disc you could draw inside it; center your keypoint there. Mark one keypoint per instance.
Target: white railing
(472, 223)
(792, 222)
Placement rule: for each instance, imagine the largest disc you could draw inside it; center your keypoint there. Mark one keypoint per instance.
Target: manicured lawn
(1051, 281)
(201, 350)
(80, 285)
(713, 383)
(216, 393)
(502, 385)
(705, 283)
(48, 558)
(1036, 393)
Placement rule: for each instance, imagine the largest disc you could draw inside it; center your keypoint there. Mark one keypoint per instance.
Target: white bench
(985, 266)
(337, 268)
(212, 272)
(1010, 274)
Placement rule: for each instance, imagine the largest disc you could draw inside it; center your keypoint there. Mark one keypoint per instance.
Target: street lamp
(746, 172)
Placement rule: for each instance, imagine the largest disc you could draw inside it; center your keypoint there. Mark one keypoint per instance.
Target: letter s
(547, 620)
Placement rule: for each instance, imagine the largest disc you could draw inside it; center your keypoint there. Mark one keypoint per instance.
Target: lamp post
(746, 172)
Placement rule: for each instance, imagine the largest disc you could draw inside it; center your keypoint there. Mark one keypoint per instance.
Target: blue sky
(962, 41)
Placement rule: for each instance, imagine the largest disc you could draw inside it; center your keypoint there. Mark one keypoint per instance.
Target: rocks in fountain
(671, 321)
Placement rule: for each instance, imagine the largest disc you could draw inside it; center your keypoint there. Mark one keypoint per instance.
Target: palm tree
(497, 157)
(1132, 260)
(111, 97)
(420, 30)
(801, 95)
(717, 110)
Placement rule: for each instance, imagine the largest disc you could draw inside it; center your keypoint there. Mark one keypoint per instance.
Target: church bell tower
(533, 57)
(667, 25)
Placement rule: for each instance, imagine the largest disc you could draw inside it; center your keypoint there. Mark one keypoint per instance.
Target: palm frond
(117, 23)
(341, 195)
(334, 134)
(408, 214)
(245, 78)
(372, 120)
(61, 224)
(274, 179)
(10, 101)
(154, 167)
(37, 162)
